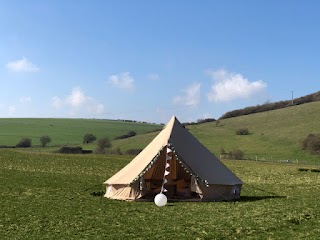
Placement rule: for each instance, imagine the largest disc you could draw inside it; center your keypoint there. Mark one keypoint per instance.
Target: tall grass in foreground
(48, 196)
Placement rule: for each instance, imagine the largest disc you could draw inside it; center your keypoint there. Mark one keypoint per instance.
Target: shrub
(89, 138)
(44, 140)
(6, 146)
(129, 134)
(272, 106)
(222, 151)
(133, 151)
(24, 143)
(102, 145)
(199, 121)
(206, 120)
(87, 151)
(242, 131)
(312, 143)
(236, 154)
(97, 193)
(116, 151)
(70, 150)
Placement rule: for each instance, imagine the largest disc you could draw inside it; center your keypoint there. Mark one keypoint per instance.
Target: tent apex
(174, 119)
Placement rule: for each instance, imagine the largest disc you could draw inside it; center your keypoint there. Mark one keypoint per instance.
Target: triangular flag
(167, 165)
(169, 150)
(166, 172)
(168, 158)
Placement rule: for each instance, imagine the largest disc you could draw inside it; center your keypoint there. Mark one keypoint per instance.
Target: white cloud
(22, 65)
(153, 76)
(56, 102)
(77, 98)
(25, 100)
(98, 108)
(190, 97)
(122, 80)
(12, 110)
(78, 104)
(229, 86)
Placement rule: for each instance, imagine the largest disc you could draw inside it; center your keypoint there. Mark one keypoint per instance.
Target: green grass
(275, 135)
(65, 131)
(48, 196)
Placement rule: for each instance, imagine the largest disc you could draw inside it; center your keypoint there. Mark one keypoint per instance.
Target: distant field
(48, 196)
(65, 131)
(275, 135)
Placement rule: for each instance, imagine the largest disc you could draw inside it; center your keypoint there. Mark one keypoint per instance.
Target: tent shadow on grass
(257, 198)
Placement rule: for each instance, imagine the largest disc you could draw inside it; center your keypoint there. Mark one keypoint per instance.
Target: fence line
(271, 159)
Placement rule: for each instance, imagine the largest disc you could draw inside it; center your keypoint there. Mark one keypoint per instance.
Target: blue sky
(149, 60)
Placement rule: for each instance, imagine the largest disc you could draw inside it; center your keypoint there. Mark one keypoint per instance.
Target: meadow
(66, 131)
(274, 136)
(45, 195)
(51, 196)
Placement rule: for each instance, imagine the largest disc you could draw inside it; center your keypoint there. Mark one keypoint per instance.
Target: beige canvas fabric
(211, 179)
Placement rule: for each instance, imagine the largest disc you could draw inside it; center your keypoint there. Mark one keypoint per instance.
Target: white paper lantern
(160, 200)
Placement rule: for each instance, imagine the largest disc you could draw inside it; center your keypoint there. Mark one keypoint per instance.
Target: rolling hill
(65, 131)
(275, 135)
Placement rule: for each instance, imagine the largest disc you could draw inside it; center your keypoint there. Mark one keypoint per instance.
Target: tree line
(272, 106)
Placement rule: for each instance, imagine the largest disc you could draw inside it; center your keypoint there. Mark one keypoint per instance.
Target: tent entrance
(179, 181)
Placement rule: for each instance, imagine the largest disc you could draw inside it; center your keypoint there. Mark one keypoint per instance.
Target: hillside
(273, 106)
(274, 134)
(65, 131)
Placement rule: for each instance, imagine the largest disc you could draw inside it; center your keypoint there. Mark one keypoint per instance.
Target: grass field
(275, 135)
(48, 196)
(65, 131)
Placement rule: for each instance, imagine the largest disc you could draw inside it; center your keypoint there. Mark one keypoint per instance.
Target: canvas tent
(192, 171)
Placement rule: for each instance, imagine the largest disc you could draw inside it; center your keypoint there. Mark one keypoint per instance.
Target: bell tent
(175, 163)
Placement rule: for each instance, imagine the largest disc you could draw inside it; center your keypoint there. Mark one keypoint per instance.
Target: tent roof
(197, 157)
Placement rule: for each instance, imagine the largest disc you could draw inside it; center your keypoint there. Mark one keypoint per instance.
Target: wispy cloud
(12, 110)
(25, 100)
(22, 65)
(230, 86)
(190, 96)
(78, 103)
(56, 102)
(153, 76)
(123, 80)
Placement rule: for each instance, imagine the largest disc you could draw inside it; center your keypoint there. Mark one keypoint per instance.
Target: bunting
(160, 199)
(186, 168)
